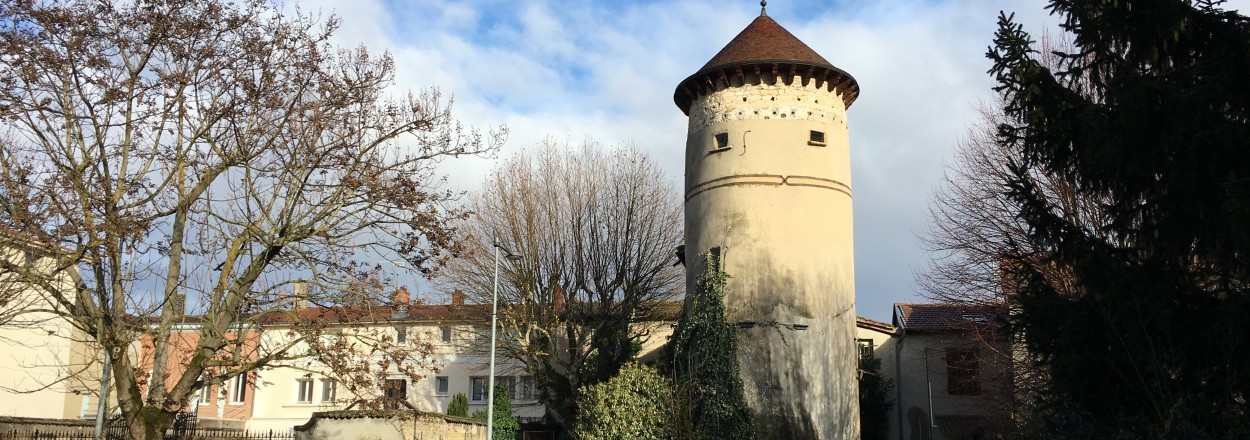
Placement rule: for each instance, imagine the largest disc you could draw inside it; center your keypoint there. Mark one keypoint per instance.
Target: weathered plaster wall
(388, 425)
(779, 208)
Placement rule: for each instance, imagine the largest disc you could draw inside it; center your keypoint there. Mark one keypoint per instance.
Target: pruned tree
(596, 229)
(214, 155)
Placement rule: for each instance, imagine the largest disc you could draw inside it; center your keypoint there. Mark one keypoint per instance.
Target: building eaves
(877, 326)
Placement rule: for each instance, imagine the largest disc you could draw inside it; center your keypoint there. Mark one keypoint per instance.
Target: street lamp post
(494, 310)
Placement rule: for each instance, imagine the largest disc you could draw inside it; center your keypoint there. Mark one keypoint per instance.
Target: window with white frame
(441, 385)
(526, 390)
(401, 335)
(238, 389)
(508, 383)
(396, 392)
(305, 390)
(477, 389)
(206, 394)
(329, 390)
(446, 333)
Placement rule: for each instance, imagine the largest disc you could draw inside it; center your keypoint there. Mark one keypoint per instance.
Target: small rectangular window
(526, 389)
(440, 385)
(816, 138)
(305, 387)
(329, 390)
(401, 335)
(722, 142)
(238, 389)
(206, 394)
(477, 389)
(396, 392)
(446, 333)
(963, 375)
(866, 348)
(508, 383)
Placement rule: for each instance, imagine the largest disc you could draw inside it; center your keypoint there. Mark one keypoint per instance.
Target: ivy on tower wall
(704, 362)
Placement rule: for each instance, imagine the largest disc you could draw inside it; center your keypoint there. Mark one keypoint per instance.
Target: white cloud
(607, 70)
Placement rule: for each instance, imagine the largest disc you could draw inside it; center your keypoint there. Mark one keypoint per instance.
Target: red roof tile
(872, 324)
(415, 312)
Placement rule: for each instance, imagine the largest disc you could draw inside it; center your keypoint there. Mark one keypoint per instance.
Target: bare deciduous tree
(975, 241)
(213, 154)
(596, 229)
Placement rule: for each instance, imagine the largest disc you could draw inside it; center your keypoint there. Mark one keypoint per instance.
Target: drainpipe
(898, 381)
(929, 385)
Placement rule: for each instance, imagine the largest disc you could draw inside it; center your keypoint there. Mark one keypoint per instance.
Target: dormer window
(720, 142)
(816, 138)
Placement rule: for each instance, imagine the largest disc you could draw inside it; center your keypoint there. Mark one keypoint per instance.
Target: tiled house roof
(413, 312)
(942, 317)
(664, 311)
(872, 324)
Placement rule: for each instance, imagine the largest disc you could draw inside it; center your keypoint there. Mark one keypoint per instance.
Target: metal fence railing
(116, 434)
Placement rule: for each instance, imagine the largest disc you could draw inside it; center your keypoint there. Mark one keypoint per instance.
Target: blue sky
(606, 70)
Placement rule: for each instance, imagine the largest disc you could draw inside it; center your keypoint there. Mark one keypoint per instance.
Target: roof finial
(763, 8)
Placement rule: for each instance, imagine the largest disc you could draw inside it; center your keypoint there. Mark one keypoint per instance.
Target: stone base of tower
(815, 396)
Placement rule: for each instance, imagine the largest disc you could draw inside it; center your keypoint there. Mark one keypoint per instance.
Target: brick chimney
(299, 296)
(457, 298)
(559, 298)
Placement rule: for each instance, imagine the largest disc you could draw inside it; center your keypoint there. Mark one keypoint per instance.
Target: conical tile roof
(765, 41)
(764, 44)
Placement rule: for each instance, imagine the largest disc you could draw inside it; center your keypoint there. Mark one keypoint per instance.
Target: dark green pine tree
(1150, 115)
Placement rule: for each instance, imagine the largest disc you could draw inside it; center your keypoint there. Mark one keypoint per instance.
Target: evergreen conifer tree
(1151, 115)
(459, 405)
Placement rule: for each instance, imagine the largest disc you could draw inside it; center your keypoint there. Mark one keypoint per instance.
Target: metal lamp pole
(490, 392)
(494, 310)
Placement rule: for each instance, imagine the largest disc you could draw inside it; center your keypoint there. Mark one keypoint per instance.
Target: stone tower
(768, 182)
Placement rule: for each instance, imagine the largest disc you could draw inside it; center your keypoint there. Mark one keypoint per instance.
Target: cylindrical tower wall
(768, 182)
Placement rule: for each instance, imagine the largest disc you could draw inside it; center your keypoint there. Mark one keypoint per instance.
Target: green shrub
(459, 406)
(635, 404)
(506, 426)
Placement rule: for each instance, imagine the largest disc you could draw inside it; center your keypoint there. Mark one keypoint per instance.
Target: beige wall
(922, 384)
(35, 352)
(780, 210)
(884, 347)
(276, 405)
